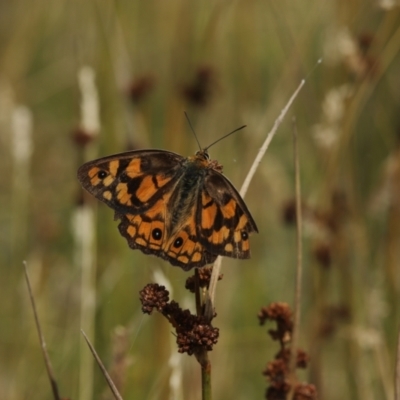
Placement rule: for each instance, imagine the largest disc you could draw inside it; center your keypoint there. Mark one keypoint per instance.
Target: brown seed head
(153, 296)
(82, 137)
(140, 88)
(282, 314)
(200, 90)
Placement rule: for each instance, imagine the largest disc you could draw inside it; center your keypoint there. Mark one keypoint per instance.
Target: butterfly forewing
(224, 220)
(131, 182)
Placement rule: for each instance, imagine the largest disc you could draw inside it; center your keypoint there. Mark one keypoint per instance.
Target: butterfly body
(180, 209)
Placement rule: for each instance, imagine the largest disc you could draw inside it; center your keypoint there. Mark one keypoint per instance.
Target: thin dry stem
(110, 382)
(85, 257)
(271, 134)
(197, 293)
(46, 357)
(299, 264)
(217, 265)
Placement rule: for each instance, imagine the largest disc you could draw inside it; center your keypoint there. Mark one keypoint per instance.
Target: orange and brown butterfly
(180, 209)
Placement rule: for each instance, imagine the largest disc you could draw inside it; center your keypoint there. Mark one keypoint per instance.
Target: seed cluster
(277, 371)
(153, 296)
(193, 333)
(283, 316)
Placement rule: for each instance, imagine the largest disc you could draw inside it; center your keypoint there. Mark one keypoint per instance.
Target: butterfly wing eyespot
(178, 243)
(102, 174)
(156, 234)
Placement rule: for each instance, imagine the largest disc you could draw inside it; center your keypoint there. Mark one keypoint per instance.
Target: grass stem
(47, 362)
(217, 265)
(299, 263)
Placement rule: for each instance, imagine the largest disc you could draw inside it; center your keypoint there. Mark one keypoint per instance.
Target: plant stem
(205, 376)
(217, 264)
(299, 265)
(397, 372)
(47, 362)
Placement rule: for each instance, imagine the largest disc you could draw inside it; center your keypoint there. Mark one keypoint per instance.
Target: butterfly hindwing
(147, 232)
(131, 182)
(224, 221)
(184, 249)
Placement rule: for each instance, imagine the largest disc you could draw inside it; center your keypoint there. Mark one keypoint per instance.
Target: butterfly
(181, 209)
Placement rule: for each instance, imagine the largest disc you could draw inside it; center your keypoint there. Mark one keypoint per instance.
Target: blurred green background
(139, 65)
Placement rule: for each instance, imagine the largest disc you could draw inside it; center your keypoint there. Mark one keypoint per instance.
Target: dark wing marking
(131, 182)
(147, 233)
(223, 218)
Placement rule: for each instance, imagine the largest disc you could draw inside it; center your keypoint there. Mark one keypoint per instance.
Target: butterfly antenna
(223, 137)
(191, 127)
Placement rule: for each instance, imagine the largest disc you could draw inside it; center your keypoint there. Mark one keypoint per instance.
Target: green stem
(205, 377)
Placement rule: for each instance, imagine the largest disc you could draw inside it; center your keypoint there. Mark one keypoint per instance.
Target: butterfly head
(203, 155)
(202, 159)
